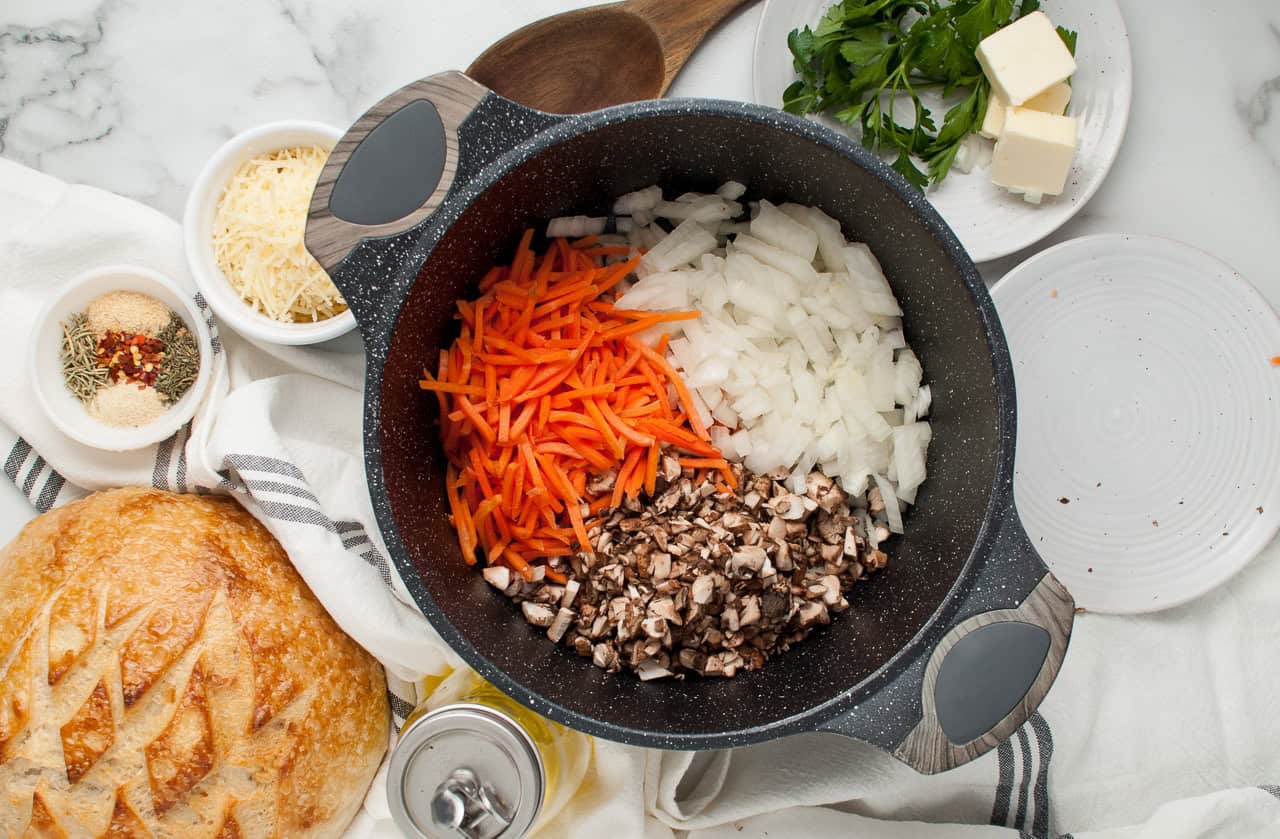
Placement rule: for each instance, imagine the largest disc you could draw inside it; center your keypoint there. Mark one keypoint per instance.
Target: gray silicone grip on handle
(392, 169)
(986, 675)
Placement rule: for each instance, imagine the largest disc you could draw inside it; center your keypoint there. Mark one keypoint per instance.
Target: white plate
(989, 221)
(1147, 399)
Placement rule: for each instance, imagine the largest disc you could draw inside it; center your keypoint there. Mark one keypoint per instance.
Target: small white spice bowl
(197, 232)
(68, 413)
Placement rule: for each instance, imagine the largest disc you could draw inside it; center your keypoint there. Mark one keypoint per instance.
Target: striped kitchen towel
(301, 474)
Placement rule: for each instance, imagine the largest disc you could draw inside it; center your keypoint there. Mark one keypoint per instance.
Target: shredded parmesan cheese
(258, 232)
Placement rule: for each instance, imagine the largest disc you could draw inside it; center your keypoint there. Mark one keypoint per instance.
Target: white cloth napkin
(1162, 726)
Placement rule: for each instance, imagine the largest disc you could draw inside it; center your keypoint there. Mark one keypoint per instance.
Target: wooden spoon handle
(681, 25)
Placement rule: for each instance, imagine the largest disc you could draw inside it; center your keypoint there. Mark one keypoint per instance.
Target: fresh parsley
(868, 60)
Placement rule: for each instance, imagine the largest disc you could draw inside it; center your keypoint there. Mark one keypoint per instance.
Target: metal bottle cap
(465, 772)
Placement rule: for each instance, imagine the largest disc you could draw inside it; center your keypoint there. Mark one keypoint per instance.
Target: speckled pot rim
(560, 129)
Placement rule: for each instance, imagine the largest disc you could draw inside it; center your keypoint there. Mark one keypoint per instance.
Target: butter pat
(1025, 59)
(1052, 101)
(993, 122)
(1033, 155)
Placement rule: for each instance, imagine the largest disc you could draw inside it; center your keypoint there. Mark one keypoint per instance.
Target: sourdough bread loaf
(164, 671)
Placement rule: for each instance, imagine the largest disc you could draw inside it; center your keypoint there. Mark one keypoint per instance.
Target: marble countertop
(134, 95)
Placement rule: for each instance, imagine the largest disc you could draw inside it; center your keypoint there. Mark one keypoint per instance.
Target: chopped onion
(707, 208)
(732, 190)
(798, 360)
(681, 246)
(891, 509)
(780, 230)
(575, 226)
(640, 200)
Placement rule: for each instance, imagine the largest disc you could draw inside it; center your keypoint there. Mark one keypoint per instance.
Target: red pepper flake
(130, 358)
(1275, 361)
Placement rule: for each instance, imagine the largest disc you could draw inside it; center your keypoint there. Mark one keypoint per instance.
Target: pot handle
(989, 671)
(398, 163)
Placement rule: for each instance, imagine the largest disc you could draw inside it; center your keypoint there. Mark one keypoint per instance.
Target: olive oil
(480, 764)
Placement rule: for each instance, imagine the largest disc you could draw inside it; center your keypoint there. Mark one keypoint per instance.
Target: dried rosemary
(181, 362)
(80, 367)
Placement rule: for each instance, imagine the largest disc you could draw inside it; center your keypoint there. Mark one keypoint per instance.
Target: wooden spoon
(599, 56)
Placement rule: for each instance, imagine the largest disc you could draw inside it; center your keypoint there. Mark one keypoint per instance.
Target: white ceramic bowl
(197, 231)
(45, 362)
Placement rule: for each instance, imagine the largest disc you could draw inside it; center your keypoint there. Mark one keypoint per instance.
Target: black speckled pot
(940, 657)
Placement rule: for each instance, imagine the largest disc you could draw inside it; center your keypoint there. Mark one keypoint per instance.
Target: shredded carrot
(608, 250)
(703, 462)
(644, 323)
(430, 383)
(504, 423)
(651, 469)
(487, 506)
(669, 432)
(547, 388)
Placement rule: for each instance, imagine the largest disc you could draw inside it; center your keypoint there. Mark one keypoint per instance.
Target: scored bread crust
(164, 671)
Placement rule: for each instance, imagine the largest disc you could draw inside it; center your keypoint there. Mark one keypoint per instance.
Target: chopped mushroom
(790, 507)
(538, 614)
(748, 561)
(498, 576)
(697, 581)
(561, 624)
(875, 500)
(604, 656)
(570, 592)
(702, 590)
(650, 669)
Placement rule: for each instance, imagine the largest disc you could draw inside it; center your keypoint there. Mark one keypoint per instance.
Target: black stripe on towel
(1024, 787)
(260, 463)
(1044, 739)
(352, 534)
(294, 513)
(1270, 788)
(32, 476)
(1004, 789)
(180, 474)
(354, 540)
(376, 559)
(400, 708)
(287, 489)
(160, 474)
(228, 481)
(215, 341)
(17, 457)
(49, 494)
